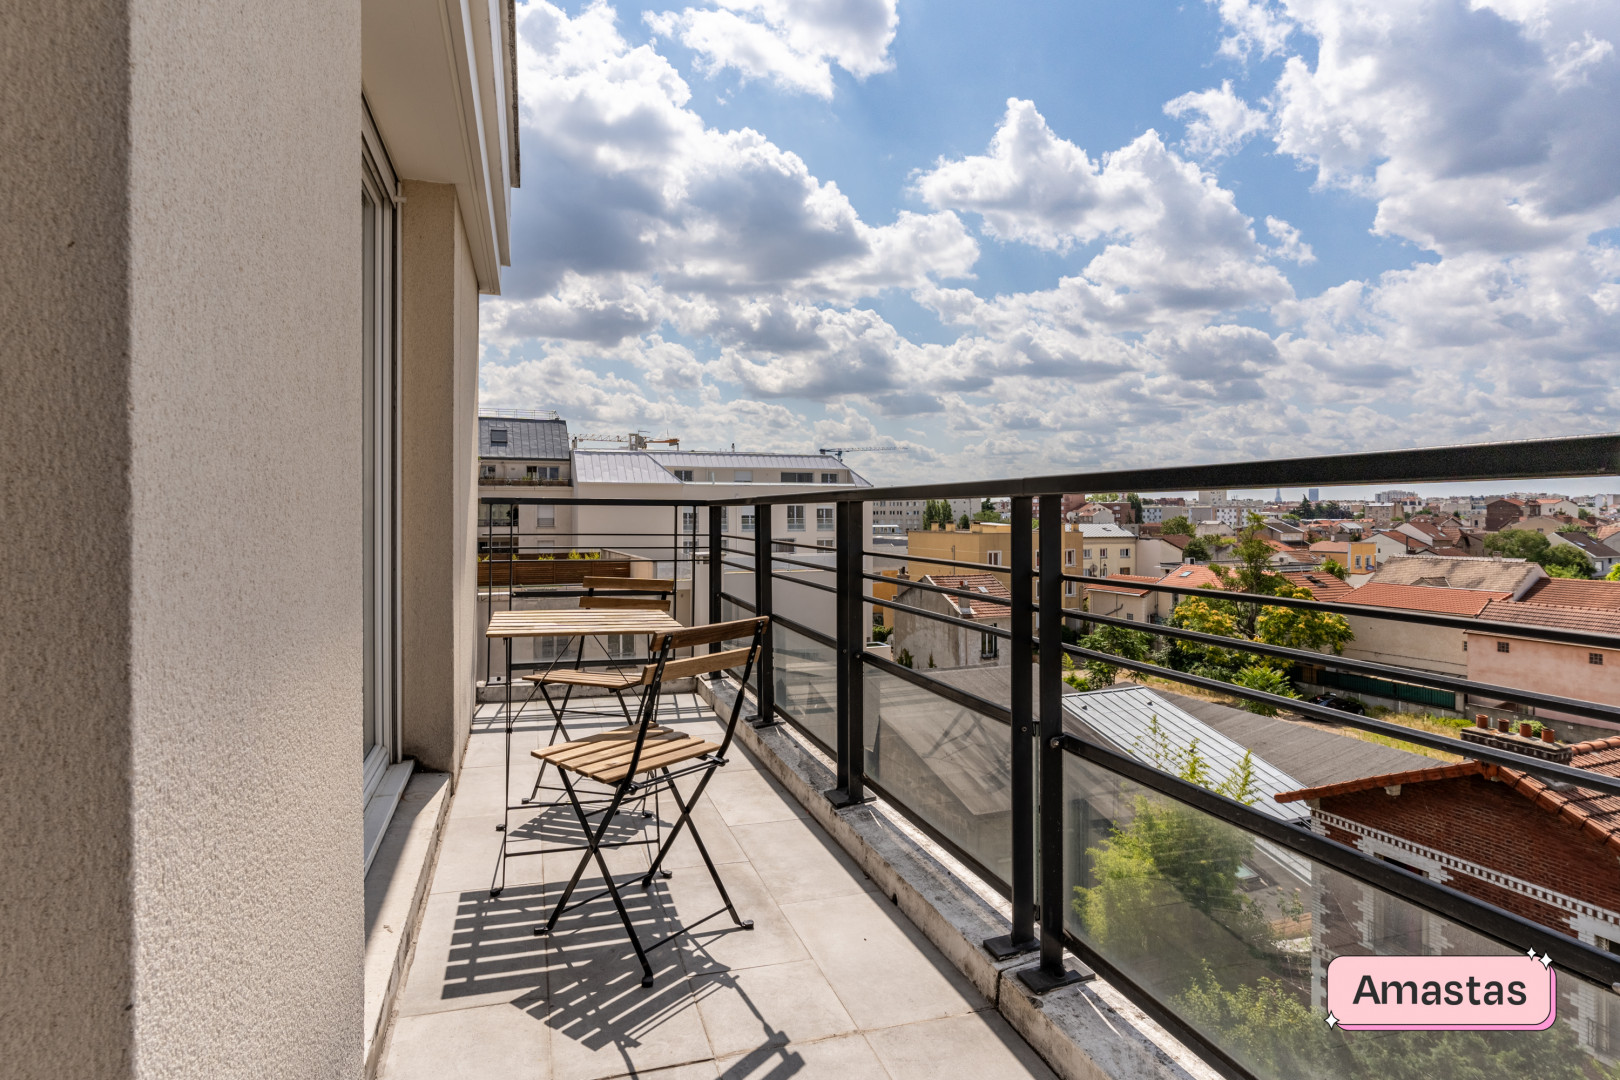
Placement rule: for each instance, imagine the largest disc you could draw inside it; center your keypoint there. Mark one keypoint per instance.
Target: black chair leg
(685, 820)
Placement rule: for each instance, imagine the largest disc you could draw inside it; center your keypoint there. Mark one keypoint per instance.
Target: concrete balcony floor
(832, 981)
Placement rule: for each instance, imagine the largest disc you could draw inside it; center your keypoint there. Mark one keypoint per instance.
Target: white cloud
(1289, 245)
(1253, 26)
(1223, 121)
(794, 43)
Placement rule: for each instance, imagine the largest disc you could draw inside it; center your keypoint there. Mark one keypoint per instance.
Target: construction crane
(839, 451)
(636, 440)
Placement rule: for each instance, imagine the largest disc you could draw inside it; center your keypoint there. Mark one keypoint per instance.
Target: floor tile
(882, 968)
(745, 796)
(978, 1044)
(846, 1058)
(718, 945)
(784, 1003)
(469, 1044)
(605, 1023)
(799, 862)
(471, 951)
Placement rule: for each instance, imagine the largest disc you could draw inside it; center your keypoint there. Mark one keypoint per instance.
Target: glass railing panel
(1234, 935)
(807, 682)
(949, 765)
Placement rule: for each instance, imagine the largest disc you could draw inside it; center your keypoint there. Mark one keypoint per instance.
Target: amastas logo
(1442, 993)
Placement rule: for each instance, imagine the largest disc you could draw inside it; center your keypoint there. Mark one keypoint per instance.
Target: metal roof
(1124, 716)
(619, 467)
(526, 440)
(727, 459)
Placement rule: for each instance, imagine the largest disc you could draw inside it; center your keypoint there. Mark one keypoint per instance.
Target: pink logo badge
(1442, 993)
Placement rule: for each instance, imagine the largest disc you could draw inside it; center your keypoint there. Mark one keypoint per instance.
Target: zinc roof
(526, 440)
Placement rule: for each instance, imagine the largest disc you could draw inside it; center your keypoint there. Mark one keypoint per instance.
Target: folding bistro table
(565, 623)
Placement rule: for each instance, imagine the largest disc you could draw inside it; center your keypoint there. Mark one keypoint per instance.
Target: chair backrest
(701, 664)
(633, 603)
(634, 584)
(713, 632)
(655, 593)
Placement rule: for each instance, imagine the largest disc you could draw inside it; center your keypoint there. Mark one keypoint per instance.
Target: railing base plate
(1003, 947)
(1041, 983)
(839, 797)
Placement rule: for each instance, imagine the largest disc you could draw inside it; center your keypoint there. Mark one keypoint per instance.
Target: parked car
(1343, 704)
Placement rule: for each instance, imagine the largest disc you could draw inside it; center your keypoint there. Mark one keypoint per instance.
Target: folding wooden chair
(653, 596)
(646, 759)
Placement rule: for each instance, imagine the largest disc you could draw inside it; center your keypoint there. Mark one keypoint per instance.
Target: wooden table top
(578, 622)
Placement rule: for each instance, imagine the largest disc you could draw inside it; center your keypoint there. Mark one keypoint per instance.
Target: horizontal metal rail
(895, 605)
(1368, 611)
(983, 568)
(1546, 770)
(956, 695)
(1513, 931)
(908, 583)
(1359, 667)
(1530, 459)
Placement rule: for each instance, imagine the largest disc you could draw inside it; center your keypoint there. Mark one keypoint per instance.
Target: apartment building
(194, 292)
(1094, 550)
(523, 455)
(927, 643)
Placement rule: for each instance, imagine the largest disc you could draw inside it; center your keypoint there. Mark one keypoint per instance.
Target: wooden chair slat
(642, 584)
(739, 629)
(606, 680)
(622, 603)
(704, 663)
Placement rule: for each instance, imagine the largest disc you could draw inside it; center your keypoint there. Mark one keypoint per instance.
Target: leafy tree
(1136, 505)
(986, 512)
(1178, 526)
(1253, 573)
(1584, 514)
(1336, 568)
(1306, 510)
(1116, 641)
(1614, 573)
(1559, 560)
(963, 523)
(1291, 518)
(1197, 550)
(1267, 679)
(1301, 628)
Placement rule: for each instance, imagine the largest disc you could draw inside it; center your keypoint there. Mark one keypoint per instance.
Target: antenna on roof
(839, 451)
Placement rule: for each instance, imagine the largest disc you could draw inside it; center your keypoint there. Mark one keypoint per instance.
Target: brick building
(1495, 833)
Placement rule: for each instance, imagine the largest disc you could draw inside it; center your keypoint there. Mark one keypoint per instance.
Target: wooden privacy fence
(495, 571)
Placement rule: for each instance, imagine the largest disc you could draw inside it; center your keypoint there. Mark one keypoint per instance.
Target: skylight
(497, 436)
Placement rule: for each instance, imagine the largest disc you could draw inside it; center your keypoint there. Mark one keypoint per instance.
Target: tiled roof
(1323, 586)
(1596, 814)
(1191, 577)
(1470, 572)
(1588, 544)
(526, 439)
(1118, 589)
(987, 584)
(1423, 598)
(1573, 593)
(1564, 618)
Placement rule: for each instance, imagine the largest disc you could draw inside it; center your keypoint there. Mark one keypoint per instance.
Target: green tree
(1267, 680)
(1197, 550)
(1614, 573)
(1306, 510)
(986, 512)
(1584, 514)
(1301, 628)
(1336, 568)
(1253, 572)
(1116, 641)
(963, 523)
(1559, 560)
(1178, 526)
(1136, 505)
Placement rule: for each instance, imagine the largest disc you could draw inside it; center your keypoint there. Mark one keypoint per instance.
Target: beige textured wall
(246, 595)
(438, 404)
(64, 531)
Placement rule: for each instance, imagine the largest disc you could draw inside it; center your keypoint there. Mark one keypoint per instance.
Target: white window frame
(825, 518)
(748, 519)
(795, 519)
(380, 456)
(993, 558)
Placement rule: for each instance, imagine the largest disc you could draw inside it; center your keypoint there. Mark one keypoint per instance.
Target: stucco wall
(245, 595)
(64, 542)
(1545, 667)
(438, 472)
(1427, 648)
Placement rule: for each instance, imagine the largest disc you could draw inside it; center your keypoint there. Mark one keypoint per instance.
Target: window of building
(1501, 646)
(743, 476)
(1358, 562)
(1088, 553)
(497, 436)
(993, 558)
(489, 470)
(829, 478)
(795, 518)
(1595, 658)
(824, 543)
(689, 521)
(824, 518)
(497, 515)
(1124, 553)
(1129, 617)
(798, 478)
(748, 520)
(989, 646)
(684, 475)
(1068, 588)
(379, 463)
(1124, 569)
(545, 517)
(1068, 556)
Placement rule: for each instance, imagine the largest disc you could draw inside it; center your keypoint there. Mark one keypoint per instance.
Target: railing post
(851, 636)
(1050, 973)
(1022, 794)
(717, 562)
(763, 605)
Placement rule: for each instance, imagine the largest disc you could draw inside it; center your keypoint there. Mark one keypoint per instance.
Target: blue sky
(1035, 237)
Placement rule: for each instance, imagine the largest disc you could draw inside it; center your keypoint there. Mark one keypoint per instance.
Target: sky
(1024, 238)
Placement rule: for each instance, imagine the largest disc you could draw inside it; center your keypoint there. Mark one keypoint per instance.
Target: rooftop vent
(1520, 744)
(497, 436)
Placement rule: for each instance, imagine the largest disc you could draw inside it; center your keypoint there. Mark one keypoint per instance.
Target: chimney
(1546, 748)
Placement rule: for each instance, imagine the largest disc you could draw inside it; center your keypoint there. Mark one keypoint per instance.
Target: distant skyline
(1026, 239)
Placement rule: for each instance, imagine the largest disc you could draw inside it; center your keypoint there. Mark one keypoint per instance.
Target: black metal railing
(1047, 773)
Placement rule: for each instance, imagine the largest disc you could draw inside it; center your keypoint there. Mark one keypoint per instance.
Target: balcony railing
(522, 481)
(1213, 915)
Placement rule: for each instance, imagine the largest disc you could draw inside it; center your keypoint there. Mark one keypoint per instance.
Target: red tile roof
(1423, 598)
(986, 584)
(1191, 577)
(1322, 585)
(1573, 593)
(1596, 814)
(1565, 618)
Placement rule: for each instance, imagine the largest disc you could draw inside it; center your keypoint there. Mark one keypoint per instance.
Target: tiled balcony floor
(832, 981)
